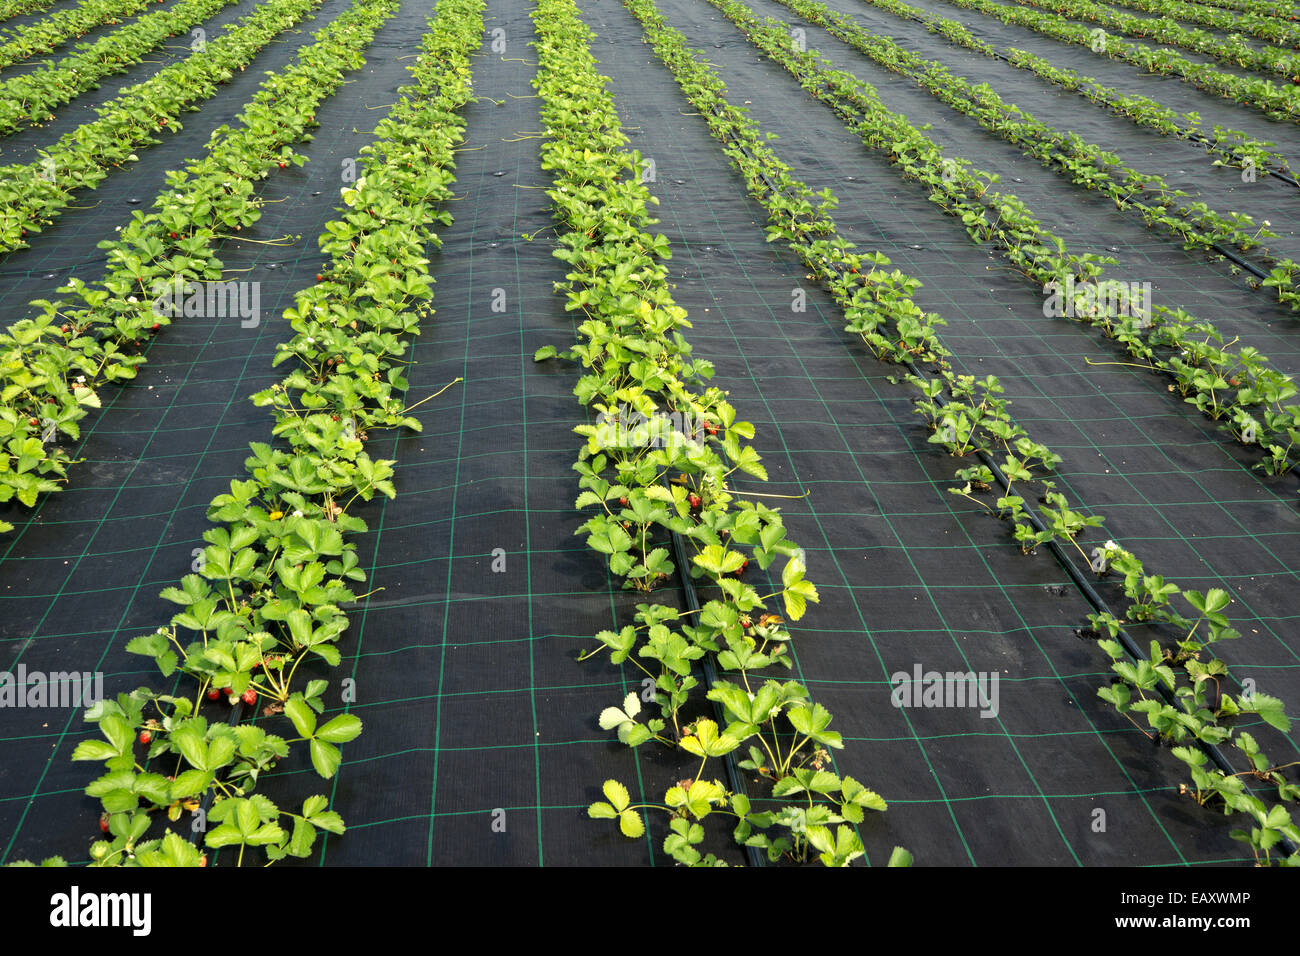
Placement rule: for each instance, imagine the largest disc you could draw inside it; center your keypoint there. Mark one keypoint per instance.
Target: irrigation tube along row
(734, 778)
(840, 271)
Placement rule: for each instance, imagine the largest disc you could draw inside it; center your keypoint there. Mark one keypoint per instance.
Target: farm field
(650, 432)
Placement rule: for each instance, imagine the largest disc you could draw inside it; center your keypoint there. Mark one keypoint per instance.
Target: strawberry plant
(1173, 709)
(32, 97)
(1195, 224)
(277, 565)
(681, 485)
(16, 8)
(1279, 102)
(37, 192)
(47, 366)
(1040, 255)
(1232, 51)
(44, 35)
(1232, 146)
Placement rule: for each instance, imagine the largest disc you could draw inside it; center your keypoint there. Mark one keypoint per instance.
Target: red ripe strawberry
(693, 500)
(35, 423)
(163, 121)
(63, 329)
(214, 694)
(173, 235)
(145, 737)
(283, 165)
(156, 326)
(319, 277)
(103, 822)
(711, 428)
(226, 691)
(623, 502)
(249, 697)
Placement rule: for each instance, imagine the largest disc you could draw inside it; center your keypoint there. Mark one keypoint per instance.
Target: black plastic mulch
(1169, 90)
(1182, 51)
(481, 743)
(81, 573)
(1183, 165)
(905, 578)
(1174, 489)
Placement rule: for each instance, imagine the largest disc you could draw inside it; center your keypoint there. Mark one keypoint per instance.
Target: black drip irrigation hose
(1229, 254)
(1183, 132)
(734, 777)
(1076, 576)
(1220, 249)
(1096, 600)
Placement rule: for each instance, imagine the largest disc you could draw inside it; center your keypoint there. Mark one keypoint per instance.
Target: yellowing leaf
(630, 823)
(616, 793)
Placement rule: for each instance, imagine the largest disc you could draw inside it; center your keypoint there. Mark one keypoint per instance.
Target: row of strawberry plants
(648, 490)
(1264, 8)
(31, 99)
(34, 194)
(1265, 27)
(1085, 164)
(1279, 102)
(56, 29)
(1176, 683)
(1230, 51)
(1239, 386)
(17, 8)
(1232, 146)
(275, 573)
(53, 363)
(966, 416)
